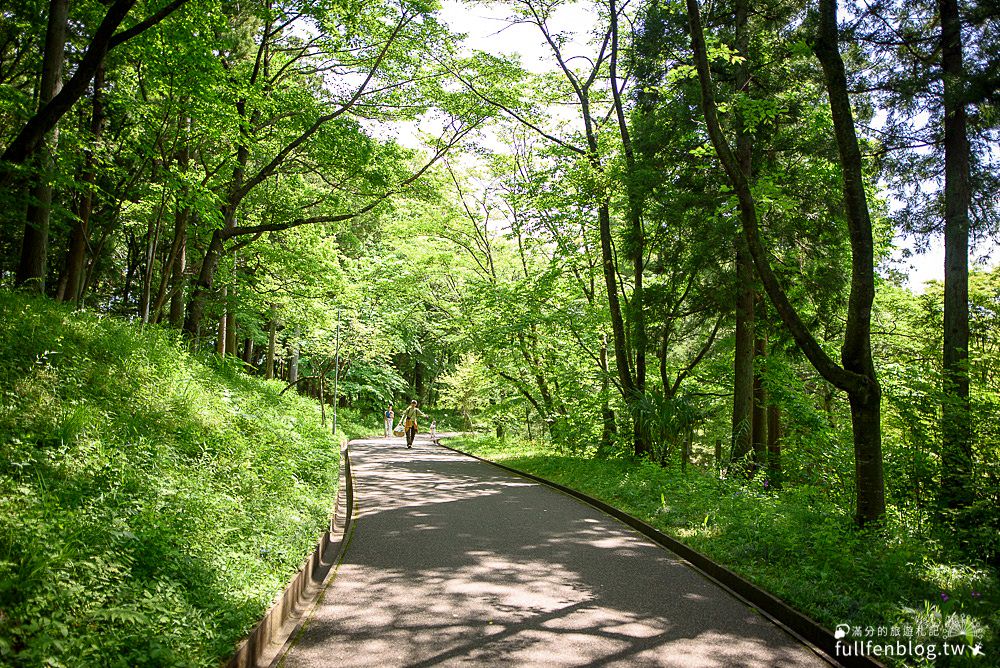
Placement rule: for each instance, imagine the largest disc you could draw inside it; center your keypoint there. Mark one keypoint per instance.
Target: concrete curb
(806, 629)
(288, 611)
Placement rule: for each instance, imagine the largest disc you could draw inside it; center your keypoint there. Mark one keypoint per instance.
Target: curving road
(455, 562)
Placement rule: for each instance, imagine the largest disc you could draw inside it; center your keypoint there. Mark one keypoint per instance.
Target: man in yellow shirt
(410, 421)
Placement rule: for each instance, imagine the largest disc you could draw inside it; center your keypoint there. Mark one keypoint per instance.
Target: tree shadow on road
(456, 562)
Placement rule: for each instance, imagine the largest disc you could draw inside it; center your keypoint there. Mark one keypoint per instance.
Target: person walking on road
(410, 421)
(389, 418)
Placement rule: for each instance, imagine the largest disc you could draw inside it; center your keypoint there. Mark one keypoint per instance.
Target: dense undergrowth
(151, 503)
(798, 545)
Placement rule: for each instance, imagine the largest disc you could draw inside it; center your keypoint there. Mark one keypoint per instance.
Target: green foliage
(796, 544)
(151, 504)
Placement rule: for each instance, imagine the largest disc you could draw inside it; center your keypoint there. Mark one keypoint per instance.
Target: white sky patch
(489, 29)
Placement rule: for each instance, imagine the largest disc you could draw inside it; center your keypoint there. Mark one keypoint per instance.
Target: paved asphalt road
(455, 562)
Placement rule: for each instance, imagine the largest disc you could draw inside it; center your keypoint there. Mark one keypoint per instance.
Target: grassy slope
(151, 505)
(795, 544)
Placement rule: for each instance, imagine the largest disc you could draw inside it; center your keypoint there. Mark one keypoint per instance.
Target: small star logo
(977, 650)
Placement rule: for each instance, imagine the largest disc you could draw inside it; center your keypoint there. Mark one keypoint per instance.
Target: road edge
(283, 620)
(807, 630)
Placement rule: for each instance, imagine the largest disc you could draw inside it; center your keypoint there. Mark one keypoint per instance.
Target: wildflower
(976, 594)
(944, 597)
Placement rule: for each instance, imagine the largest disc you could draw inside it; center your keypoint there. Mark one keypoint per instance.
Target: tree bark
(231, 326)
(956, 450)
(774, 445)
(248, 350)
(608, 428)
(271, 332)
(178, 268)
(636, 245)
(293, 362)
(220, 343)
(173, 268)
(152, 241)
(741, 451)
(203, 285)
(33, 266)
(759, 414)
(865, 394)
(743, 386)
(76, 256)
(857, 375)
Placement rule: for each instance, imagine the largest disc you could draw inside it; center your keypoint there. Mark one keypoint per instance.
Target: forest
(662, 249)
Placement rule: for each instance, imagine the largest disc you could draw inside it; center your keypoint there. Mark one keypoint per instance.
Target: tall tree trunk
(759, 420)
(76, 256)
(322, 400)
(173, 268)
(132, 266)
(271, 332)
(856, 374)
(33, 266)
(864, 391)
(177, 269)
(203, 285)
(418, 379)
(614, 303)
(742, 434)
(608, 428)
(774, 445)
(293, 362)
(152, 241)
(92, 264)
(220, 344)
(661, 356)
(743, 377)
(956, 451)
(231, 326)
(636, 245)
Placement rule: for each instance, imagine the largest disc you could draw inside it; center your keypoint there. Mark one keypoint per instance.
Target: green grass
(151, 503)
(796, 544)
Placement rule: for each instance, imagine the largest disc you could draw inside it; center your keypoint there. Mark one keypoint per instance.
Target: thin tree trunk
(177, 269)
(322, 400)
(608, 429)
(636, 246)
(91, 264)
(76, 257)
(774, 445)
(220, 345)
(132, 267)
(231, 326)
(743, 377)
(271, 332)
(759, 421)
(742, 434)
(293, 362)
(956, 450)
(173, 268)
(152, 241)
